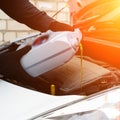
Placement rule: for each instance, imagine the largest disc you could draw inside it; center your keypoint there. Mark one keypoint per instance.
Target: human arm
(25, 12)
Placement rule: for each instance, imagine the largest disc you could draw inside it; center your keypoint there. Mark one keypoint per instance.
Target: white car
(18, 103)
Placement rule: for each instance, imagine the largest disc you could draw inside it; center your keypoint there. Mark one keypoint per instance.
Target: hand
(10, 61)
(11, 69)
(58, 26)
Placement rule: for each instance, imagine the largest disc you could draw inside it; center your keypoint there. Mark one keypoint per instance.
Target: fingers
(13, 47)
(58, 26)
(9, 48)
(23, 51)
